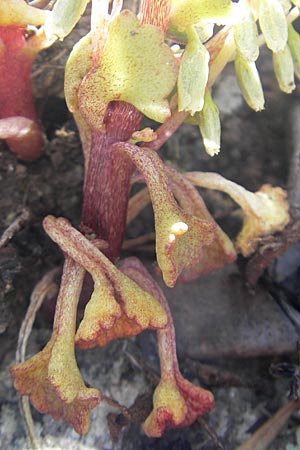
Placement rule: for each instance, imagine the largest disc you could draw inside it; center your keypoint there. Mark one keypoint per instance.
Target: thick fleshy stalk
(107, 182)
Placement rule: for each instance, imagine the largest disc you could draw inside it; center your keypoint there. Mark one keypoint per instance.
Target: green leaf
(193, 75)
(185, 13)
(136, 66)
(63, 18)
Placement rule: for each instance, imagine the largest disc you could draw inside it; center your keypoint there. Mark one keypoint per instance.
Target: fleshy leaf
(63, 18)
(18, 12)
(119, 306)
(176, 401)
(193, 75)
(185, 13)
(136, 66)
(78, 64)
(51, 378)
(266, 211)
(179, 236)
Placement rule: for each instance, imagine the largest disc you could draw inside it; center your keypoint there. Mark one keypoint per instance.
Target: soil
(228, 335)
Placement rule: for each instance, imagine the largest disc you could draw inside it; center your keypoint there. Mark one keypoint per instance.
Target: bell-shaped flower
(273, 24)
(51, 378)
(118, 306)
(284, 69)
(179, 236)
(246, 34)
(193, 74)
(210, 126)
(135, 66)
(214, 255)
(265, 211)
(249, 83)
(294, 46)
(176, 401)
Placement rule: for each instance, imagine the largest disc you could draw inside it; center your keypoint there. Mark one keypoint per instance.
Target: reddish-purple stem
(108, 178)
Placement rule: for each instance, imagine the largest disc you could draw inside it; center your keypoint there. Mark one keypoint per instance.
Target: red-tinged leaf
(135, 66)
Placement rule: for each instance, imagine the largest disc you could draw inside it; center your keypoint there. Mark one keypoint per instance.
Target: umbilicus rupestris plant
(121, 70)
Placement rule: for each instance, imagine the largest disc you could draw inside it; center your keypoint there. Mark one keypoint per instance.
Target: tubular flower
(180, 236)
(266, 211)
(217, 253)
(176, 401)
(118, 306)
(51, 378)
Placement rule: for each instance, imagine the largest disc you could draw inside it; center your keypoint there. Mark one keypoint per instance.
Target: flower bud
(209, 123)
(294, 46)
(249, 83)
(284, 69)
(273, 24)
(193, 75)
(246, 36)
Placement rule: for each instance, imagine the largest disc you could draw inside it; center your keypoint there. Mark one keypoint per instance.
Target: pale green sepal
(284, 70)
(294, 45)
(193, 75)
(249, 83)
(210, 126)
(273, 24)
(63, 18)
(185, 13)
(246, 35)
(136, 66)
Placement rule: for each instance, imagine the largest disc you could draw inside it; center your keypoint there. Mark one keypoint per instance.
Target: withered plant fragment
(176, 401)
(266, 211)
(180, 236)
(51, 378)
(119, 307)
